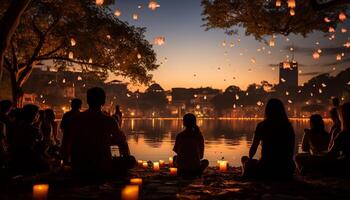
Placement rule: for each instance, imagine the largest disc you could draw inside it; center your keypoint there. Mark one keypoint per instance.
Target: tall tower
(288, 74)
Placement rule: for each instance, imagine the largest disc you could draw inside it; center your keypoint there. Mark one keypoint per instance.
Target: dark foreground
(213, 185)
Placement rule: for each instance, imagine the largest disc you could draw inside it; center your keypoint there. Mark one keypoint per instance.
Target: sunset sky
(190, 50)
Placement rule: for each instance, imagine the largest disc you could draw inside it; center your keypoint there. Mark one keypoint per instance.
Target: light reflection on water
(153, 139)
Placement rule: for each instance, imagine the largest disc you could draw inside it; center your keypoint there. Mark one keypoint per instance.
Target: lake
(153, 139)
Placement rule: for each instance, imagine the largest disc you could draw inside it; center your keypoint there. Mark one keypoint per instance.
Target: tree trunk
(17, 93)
(8, 25)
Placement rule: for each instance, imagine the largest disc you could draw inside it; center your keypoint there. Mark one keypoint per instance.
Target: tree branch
(70, 60)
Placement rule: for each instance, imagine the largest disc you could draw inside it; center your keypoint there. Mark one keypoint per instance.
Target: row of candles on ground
(129, 192)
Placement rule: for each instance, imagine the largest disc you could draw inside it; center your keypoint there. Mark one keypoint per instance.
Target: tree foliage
(79, 33)
(261, 18)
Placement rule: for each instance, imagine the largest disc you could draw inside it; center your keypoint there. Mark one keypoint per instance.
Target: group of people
(29, 140)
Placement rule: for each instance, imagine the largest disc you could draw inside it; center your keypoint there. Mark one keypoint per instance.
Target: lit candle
(161, 163)
(173, 171)
(136, 181)
(145, 165)
(40, 191)
(223, 166)
(130, 192)
(140, 162)
(171, 161)
(156, 166)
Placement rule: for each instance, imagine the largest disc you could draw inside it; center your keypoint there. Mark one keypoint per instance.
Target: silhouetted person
(92, 135)
(118, 115)
(65, 125)
(336, 127)
(315, 139)
(5, 108)
(24, 143)
(277, 138)
(189, 147)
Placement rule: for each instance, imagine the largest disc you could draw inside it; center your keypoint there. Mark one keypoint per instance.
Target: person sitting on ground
(340, 150)
(315, 140)
(24, 143)
(65, 127)
(277, 138)
(118, 115)
(336, 127)
(189, 147)
(92, 135)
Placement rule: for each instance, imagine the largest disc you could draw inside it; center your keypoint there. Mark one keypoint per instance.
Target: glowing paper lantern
(292, 12)
(327, 20)
(139, 163)
(136, 181)
(153, 5)
(145, 165)
(117, 13)
(253, 60)
(347, 44)
(316, 55)
(40, 191)
(272, 43)
(331, 29)
(139, 56)
(130, 192)
(223, 165)
(156, 167)
(338, 57)
(73, 42)
(108, 37)
(342, 16)
(283, 80)
(173, 171)
(291, 4)
(344, 30)
(99, 2)
(90, 60)
(161, 163)
(160, 40)
(319, 50)
(278, 3)
(71, 55)
(135, 16)
(171, 162)
(237, 97)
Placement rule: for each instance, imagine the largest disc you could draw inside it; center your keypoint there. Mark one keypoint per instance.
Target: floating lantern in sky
(79, 78)
(347, 44)
(73, 42)
(327, 20)
(316, 55)
(259, 103)
(272, 42)
(342, 16)
(290, 101)
(283, 80)
(319, 51)
(139, 6)
(291, 4)
(331, 29)
(99, 2)
(253, 60)
(160, 40)
(117, 13)
(324, 85)
(292, 12)
(139, 56)
(338, 57)
(135, 16)
(278, 3)
(344, 30)
(90, 60)
(71, 55)
(153, 5)
(320, 91)
(237, 97)
(108, 37)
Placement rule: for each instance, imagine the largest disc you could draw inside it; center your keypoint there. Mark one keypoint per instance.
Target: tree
(77, 33)
(261, 18)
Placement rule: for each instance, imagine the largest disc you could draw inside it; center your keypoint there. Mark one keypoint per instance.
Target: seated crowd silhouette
(29, 143)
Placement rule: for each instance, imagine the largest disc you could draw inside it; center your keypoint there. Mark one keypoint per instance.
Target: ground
(160, 185)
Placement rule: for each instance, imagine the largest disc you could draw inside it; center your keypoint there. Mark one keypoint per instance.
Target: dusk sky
(194, 56)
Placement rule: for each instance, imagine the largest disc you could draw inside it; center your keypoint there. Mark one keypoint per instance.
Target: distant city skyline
(193, 57)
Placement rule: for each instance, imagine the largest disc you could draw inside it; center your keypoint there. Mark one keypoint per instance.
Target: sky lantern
(160, 40)
(278, 3)
(331, 29)
(135, 16)
(99, 2)
(342, 16)
(139, 56)
(291, 4)
(344, 30)
(153, 5)
(117, 13)
(292, 12)
(71, 55)
(338, 57)
(316, 56)
(327, 20)
(90, 60)
(319, 50)
(272, 42)
(73, 42)
(347, 44)
(253, 60)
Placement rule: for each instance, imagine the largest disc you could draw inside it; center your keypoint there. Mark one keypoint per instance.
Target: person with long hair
(189, 147)
(276, 136)
(336, 126)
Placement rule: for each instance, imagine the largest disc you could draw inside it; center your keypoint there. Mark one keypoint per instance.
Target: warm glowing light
(272, 43)
(73, 42)
(40, 191)
(90, 60)
(173, 171)
(278, 3)
(153, 5)
(70, 55)
(253, 60)
(161, 163)
(316, 55)
(136, 181)
(99, 2)
(117, 13)
(342, 16)
(171, 162)
(145, 165)
(292, 12)
(156, 167)
(130, 192)
(291, 4)
(338, 57)
(344, 30)
(139, 163)
(160, 40)
(223, 165)
(347, 44)
(331, 29)
(139, 56)
(327, 20)
(135, 16)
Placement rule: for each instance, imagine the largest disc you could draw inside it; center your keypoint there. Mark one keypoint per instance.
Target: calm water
(153, 139)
